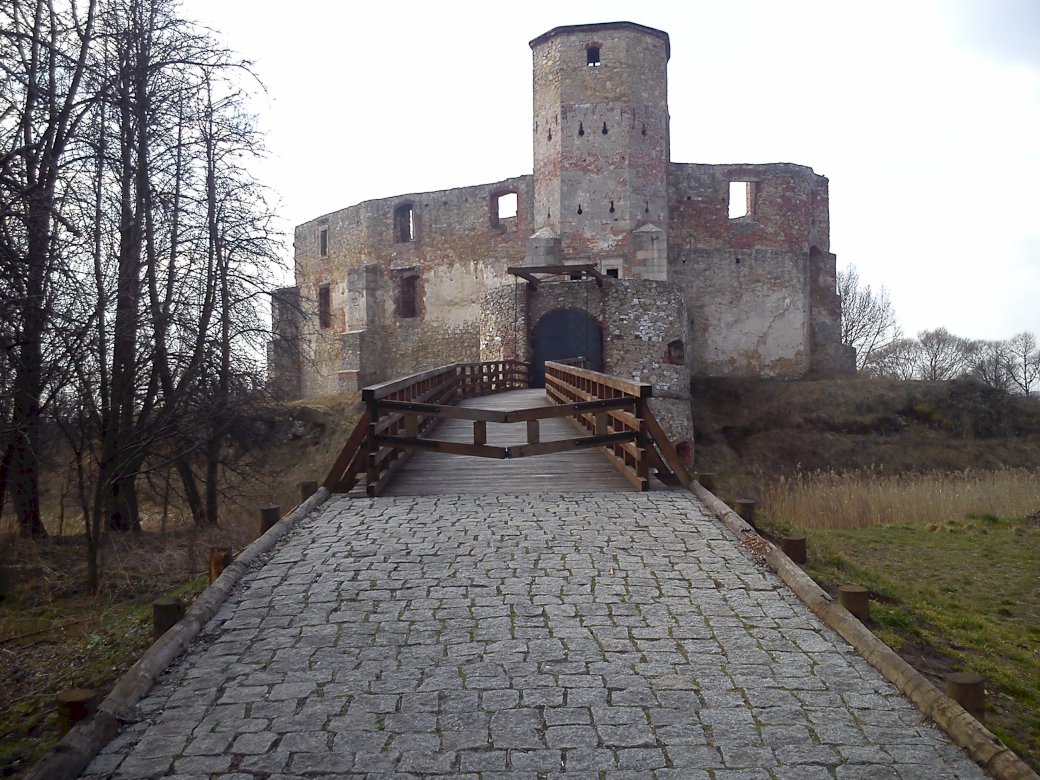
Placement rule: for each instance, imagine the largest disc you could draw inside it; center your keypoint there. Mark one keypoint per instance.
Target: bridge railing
(400, 413)
(648, 448)
(367, 450)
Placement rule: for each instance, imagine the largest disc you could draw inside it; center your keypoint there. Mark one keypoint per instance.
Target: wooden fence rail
(612, 411)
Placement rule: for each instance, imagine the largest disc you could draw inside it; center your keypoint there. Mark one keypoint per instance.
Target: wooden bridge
(476, 427)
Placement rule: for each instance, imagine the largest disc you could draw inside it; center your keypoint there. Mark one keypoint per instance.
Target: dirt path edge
(981, 744)
(67, 759)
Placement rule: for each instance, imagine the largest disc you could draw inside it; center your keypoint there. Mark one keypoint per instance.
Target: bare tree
(1025, 361)
(896, 360)
(45, 55)
(868, 322)
(941, 355)
(991, 362)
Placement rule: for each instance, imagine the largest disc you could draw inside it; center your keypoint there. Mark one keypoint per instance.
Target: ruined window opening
(504, 210)
(581, 129)
(575, 277)
(579, 208)
(741, 197)
(408, 298)
(644, 128)
(550, 133)
(592, 56)
(323, 242)
(404, 224)
(614, 273)
(604, 131)
(324, 306)
(611, 207)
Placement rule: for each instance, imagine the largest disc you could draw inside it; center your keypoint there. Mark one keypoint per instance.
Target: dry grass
(867, 499)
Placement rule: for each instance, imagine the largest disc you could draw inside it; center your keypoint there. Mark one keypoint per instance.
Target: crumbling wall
(405, 276)
(284, 351)
(748, 282)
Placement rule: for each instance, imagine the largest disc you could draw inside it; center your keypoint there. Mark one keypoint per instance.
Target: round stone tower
(601, 148)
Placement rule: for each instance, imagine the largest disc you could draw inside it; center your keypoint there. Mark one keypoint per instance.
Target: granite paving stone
(606, 636)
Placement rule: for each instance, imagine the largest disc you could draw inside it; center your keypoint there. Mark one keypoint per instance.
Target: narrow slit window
(741, 195)
(323, 242)
(325, 306)
(408, 300)
(592, 56)
(404, 224)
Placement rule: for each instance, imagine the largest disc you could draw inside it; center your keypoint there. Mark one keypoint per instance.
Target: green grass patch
(76, 642)
(957, 595)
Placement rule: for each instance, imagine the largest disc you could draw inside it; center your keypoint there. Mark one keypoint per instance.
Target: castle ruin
(652, 269)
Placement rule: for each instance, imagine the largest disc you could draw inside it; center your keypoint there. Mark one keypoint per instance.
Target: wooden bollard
(855, 599)
(308, 489)
(269, 515)
(166, 611)
(219, 559)
(968, 690)
(707, 480)
(794, 547)
(74, 705)
(746, 509)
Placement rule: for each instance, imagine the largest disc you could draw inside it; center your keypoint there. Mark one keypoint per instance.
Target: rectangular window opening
(592, 56)
(408, 300)
(614, 273)
(506, 205)
(741, 197)
(323, 242)
(404, 224)
(325, 306)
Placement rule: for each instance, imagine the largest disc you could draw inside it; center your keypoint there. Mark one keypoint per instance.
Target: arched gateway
(562, 334)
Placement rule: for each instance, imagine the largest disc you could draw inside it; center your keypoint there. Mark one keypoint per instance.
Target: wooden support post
(307, 489)
(968, 690)
(855, 599)
(269, 515)
(746, 509)
(794, 547)
(707, 480)
(411, 426)
(533, 436)
(166, 611)
(74, 705)
(479, 432)
(219, 559)
(601, 423)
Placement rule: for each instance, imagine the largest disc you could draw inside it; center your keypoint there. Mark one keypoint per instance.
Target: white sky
(924, 115)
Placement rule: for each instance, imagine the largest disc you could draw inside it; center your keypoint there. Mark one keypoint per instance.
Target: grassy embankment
(875, 475)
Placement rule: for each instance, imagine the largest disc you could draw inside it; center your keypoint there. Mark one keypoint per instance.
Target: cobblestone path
(597, 637)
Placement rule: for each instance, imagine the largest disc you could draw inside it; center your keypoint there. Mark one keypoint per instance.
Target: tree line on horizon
(869, 325)
(135, 252)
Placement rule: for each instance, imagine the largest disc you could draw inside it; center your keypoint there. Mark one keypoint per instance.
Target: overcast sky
(924, 115)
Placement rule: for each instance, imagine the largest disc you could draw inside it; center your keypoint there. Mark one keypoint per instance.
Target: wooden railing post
(372, 472)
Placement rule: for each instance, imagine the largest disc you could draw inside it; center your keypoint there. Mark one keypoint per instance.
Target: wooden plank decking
(428, 473)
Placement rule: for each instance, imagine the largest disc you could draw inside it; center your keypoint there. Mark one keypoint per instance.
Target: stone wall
(645, 338)
(405, 277)
(754, 301)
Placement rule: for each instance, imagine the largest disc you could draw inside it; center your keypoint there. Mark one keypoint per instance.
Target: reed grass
(871, 498)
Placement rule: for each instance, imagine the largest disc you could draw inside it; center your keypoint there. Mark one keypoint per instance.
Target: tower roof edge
(593, 28)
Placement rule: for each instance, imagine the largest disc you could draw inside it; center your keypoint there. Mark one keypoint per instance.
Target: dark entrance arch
(562, 334)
